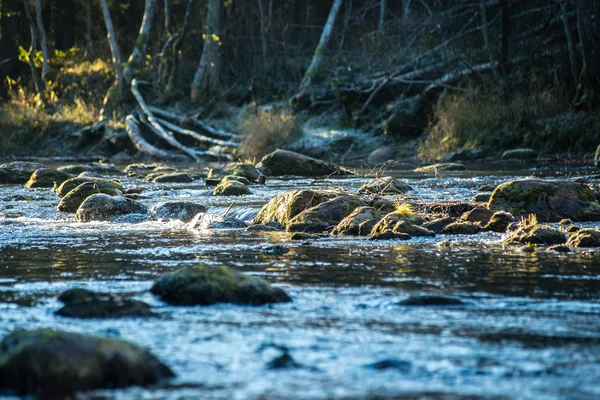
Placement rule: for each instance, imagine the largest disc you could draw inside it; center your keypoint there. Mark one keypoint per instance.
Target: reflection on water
(529, 326)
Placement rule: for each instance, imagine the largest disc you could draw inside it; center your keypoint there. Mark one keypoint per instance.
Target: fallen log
(218, 133)
(133, 131)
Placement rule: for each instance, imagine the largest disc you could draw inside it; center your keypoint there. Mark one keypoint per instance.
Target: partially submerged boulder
(231, 188)
(411, 229)
(102, 207)
(81, 303)
(17, 172)
(439, 224)
(44, 362)
(47, 177)
(209, 284)
(500, 221)
(550, 201)
(181, 210)
(530, 231)
(247, 171)
(360, 222)
(234, 178)
(72, 200)
(285, 206)
(283, 162)
(70, 184)
(461, 228)
(175, 177)
(389, 221)
(207, 221)
(385, 185)
(98, 168)
(586, 237)
(478, 214)
(324, 215)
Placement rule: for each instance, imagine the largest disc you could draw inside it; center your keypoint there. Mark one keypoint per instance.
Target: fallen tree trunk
(210, 130)
(196, 135)
(133, 131)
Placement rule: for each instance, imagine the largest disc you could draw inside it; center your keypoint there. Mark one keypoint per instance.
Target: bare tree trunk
(43, 40)
(570, 44)
(172, 62)
(206, 79)
(138, 54)
(263, 32)
(382, 11)
(89, 46)
(168, 18)
(39, 84)
(406, 9)
(315, 66)
(588, 80)
(486, 38)
(112, 100)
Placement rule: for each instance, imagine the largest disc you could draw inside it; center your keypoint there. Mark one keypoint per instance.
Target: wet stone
(391, 363)
(17, 172)
(102, 207)
(275, 250)
(81, 303)
(47, 177)
(231, 188)
(431, 300)
(173, 178)
(284, 361)
(172, 210)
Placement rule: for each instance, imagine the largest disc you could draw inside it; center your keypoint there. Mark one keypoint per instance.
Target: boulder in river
(389, 221)
(47, 177)
(181, 210)
(437, 225)
(175, 177)
(46, 363)
(461, 228)
(247, 171)
(17, 172)
(210, 284)
(70, 184)
(385, 185)
(431, 300)
(72, 200)
(235, 178)
(207, 221)
(586, 237)
(411, 229)
(102, 207)
(529, 231)
(550, 201)
(324, 215)
(284, 162)
(231, 188)
(285, 206)
(360, 222)
(97, 168)
(81, 303)
(500, 221)
(478, 214)
(381, 155)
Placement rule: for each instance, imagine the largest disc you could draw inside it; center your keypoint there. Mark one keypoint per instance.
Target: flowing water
(529, 327)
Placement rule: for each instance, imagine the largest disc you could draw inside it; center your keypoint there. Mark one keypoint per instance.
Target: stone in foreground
(102, 207)
(52, 363)
(283, 162)
(72, 200)
(206, 285)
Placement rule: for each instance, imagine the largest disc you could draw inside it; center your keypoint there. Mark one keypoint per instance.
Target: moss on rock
(360, 222)
(231, 188)
(324, 215)
(47, 177)
(461, 228)
(386, 185)
(411, 229)
(102, 207)
(285, 206)
(283, 162)
(72, 200)
(500, 221)
(586, 237)
(72, 183)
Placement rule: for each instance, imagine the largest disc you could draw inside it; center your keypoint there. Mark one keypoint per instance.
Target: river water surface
(529, 327)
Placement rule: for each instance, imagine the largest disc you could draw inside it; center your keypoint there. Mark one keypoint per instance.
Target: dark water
(529, 328)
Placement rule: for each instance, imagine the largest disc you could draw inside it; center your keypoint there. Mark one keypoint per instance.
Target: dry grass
(403, 209)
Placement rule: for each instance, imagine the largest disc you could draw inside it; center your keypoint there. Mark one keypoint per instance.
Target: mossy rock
(431, 169)
(231, 188)
(182, 210)
(283, 162)
(72, 183)
(360, 222)
(324, 215)
(439, 224)
(47, 177)
(461, 228)
(97, 168)
(81, 303)
(586, 237)
(102, 207)
(411, 229)
(478, 214)
(481, 198)
(71, 202)
(139, 169)
(389, 235)
(389, 221)
(285, 206)
(176, 177)
(247, 171)
(17, 172)
(45, 362)
(233, 178)
(500, 221)
(209, 284)
(536, 234)
(550, 201)
(386, 185)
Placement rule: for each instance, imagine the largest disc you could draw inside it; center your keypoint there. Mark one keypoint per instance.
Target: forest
(241, 78)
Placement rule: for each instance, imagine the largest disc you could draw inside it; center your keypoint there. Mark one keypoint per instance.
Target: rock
(72, 183)
(72, 200)
(139, 169)
(381, 155)
(386, 185)
(411, 229)
(466, 155)
(389, 221)
(452, 209)
(47, 177)
(207, 221)
(531, 232)
(500, 221)
(97, 168)
(441, 167)
(481, 198)
(285, 206)
(276, 250)
(520, 154)
(247, 171)
(597, 157)
(327, 144)
(360, 222)
(438, 225)
(284, 361)
(431, 300)
(101, 207)
(17, 172)
(586, 237)
(44, 362)
(461, 228)
(478, 214)
(81, 303)
(382, 204)
(209, 284)
(233, 178)
(231, 188)
(550, 201)
(175, 177)
(560, 248)
(400, 365)
(272, 226)
(302, 236)
(182, 210)
(488, 187)
(324, 215)
(283, 162)
(389, 235)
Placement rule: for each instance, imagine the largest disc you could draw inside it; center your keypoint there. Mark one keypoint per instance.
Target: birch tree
(206, 79)
(138, 54)
(112, 99)
(37, 80)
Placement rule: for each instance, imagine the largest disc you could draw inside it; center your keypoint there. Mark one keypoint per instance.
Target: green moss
(72, 200)
(285, 206)
(231, 188)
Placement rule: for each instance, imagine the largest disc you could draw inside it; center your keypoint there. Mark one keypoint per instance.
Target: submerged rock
(285, 206)
(586, 237)
(437, 225)
(207, 221)
(208, 284)
(72, 200)
(284, 361)
(389, 235)
(324, 215)
(17, 172)
(461, 228)
(283, 162)
(360, 222)
(500, 221)
(231, 188)
(385, 185)
(390, 363)
(70, 184)
(52, 363)
(81, 303)
(431, 300)
(550, 201)
(182, 210)
(441, 167)
(47, 177)
(102, 207)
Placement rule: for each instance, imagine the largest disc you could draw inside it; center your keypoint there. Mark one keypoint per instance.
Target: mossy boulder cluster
(17, 172)
(47, 177)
